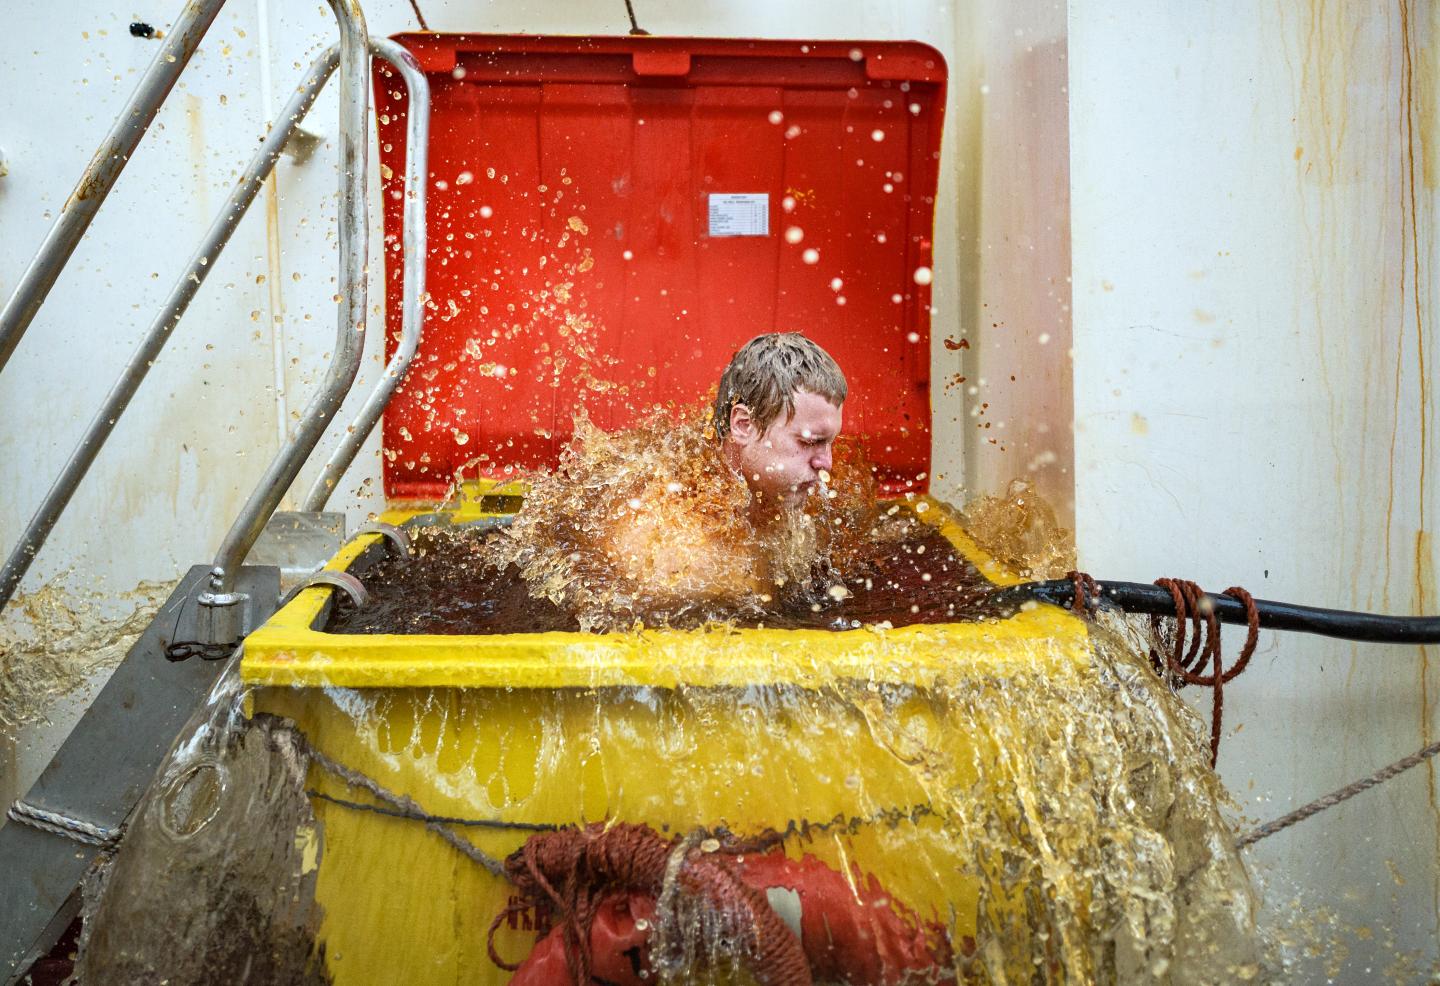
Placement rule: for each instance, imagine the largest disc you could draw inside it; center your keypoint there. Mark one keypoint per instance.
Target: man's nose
(821, 460)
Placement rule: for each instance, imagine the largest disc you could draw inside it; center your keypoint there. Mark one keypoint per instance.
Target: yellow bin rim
(288, 651)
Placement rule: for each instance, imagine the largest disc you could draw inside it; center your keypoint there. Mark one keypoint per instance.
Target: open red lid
(611, 218)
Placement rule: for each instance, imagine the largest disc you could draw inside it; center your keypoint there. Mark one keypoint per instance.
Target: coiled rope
(1181, 667)
(571, 871)
(1168, 654)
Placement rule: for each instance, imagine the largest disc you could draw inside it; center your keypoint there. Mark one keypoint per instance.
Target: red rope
(569, 872)
(1197, 624)
(1192, 605)
(1087, 592)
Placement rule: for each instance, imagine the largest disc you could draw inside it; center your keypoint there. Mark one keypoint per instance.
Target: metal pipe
(353, 216)
(202, 262)
(1137, 597)
(99, 177)
(417, 152)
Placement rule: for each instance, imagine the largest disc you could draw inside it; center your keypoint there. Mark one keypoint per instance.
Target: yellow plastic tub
(753, 730)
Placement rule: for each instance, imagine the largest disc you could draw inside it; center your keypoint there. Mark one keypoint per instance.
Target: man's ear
(742, 426)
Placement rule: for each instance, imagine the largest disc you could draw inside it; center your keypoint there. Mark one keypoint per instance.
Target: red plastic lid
(611, 218)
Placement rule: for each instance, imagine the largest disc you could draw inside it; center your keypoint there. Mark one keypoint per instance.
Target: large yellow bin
(831, 735)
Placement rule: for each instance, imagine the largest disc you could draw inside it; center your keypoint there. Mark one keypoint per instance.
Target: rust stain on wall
(1321, 121)
(1365, 172)
(1416, 96)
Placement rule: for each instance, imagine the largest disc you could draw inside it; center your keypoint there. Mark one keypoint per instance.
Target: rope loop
(1192, 644)
(1195, 617)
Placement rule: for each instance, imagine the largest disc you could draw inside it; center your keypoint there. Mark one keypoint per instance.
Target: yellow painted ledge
(287, 652)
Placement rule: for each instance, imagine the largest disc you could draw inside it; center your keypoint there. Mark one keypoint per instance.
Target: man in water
(648, 522)
(777, 415)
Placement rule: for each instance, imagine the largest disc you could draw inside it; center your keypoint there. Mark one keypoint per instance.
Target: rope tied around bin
(570, 872)
(1195, 622)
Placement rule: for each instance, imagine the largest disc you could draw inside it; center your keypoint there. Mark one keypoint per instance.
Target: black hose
(1138, 597)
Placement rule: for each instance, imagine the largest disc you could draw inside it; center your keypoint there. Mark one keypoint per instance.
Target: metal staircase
(82, 799)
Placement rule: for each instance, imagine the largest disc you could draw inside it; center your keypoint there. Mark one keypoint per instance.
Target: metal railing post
(110, 159)
(202, 262)
(417, 147)
(223, 610)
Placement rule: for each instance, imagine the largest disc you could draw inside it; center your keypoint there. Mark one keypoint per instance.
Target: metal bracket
(301, 145)
(398, 538)
(343, 581)
(222, 615)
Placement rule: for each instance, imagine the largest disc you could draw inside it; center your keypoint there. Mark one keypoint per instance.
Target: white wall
(1254, 246)
(1011, 417)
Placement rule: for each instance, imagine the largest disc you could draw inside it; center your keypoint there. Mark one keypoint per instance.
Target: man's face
(783, 463)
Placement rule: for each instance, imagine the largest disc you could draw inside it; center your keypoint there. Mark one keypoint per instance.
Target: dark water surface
(447, 587)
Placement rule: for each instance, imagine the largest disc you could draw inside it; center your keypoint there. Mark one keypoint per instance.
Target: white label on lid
(740, 214)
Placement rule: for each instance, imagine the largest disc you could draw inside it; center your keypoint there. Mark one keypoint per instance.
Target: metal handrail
(354, 232)
(99, 177)
(202, 262)
(417, 146)
(347, 14)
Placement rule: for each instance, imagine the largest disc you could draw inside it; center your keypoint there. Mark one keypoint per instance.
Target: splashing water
(1051, 821)
(215, 878)
(1040, 817)
(650, 525)
(55, 640)
(453, 584)
(1019, 529)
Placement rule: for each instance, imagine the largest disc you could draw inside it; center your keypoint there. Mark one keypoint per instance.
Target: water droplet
(856, 54)
(923, 275)
(811, 256)
(794, 234)
(776, 116)
(835, 283)
(877, 135)
(913, 337)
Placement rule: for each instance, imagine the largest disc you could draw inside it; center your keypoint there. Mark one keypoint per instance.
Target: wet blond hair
(766, 374)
